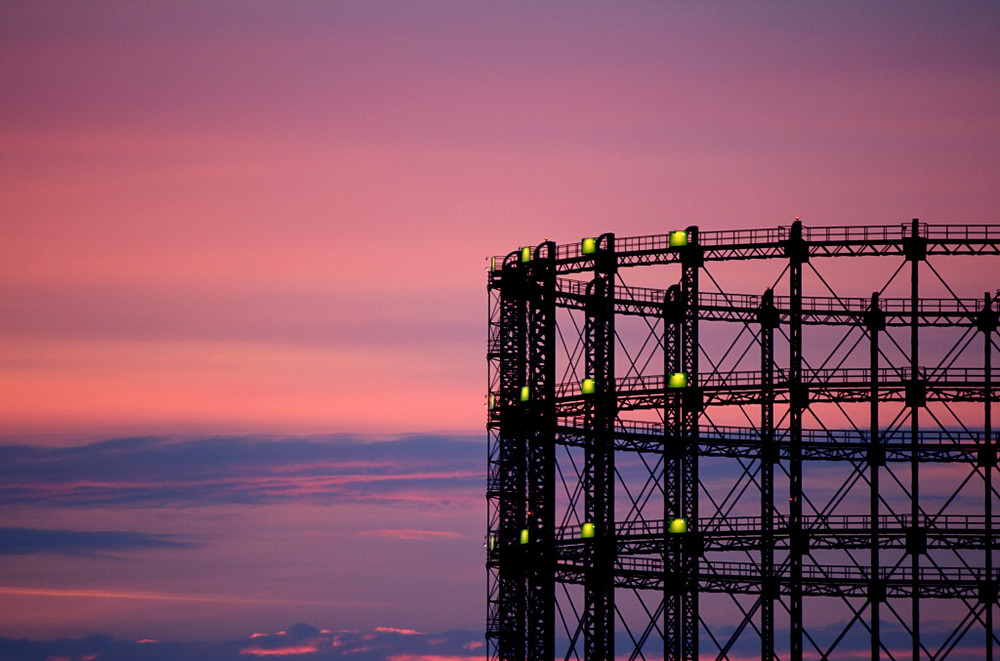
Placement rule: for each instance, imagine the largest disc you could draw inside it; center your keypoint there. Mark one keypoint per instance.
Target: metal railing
(764, 237)
(950, 524)
(641, 384)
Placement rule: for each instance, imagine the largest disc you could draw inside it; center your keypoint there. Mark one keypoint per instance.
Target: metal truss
(695, 470)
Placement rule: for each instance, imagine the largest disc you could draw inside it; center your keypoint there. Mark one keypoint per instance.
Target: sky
(242, 269)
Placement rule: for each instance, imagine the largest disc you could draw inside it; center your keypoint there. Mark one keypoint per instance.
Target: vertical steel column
(539, 425)
(691, 263)
(511, 469)
(915, 249)
(767, 316)
(673, 451)
(599, 467)
(492, 461)
(987, 460)
(875, 323)
(798, 399)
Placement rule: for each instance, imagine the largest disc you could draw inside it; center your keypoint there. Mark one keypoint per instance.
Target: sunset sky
(242, 254)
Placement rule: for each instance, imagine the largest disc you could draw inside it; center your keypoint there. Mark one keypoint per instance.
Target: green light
(493, 402)
(493, 263)
(587, 387)
(525, 255)
(679, 525)
(524, 536)
(525, 393)
(587, 530)
(678, 239)
(493, 542)
(677, 380)
(588, 246)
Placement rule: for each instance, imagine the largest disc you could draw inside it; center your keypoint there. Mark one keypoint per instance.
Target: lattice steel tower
(772, 443)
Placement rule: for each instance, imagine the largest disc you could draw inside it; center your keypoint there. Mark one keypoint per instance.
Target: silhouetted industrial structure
(725, 444)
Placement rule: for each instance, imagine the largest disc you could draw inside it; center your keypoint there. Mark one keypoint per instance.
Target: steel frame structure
(851, 509)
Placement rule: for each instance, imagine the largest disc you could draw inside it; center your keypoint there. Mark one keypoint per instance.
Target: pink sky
(267, 218)
(273, 218)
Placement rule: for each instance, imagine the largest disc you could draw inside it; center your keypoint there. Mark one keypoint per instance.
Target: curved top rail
(764, 243)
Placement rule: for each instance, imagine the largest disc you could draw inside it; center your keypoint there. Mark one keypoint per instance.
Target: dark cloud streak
(378, 645)
(25, 541)
(148, 471)
(308, 642)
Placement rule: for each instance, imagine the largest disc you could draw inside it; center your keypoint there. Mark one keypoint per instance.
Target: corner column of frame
(539, 423)
(511, 467)
(875, 323)
(691, 262)
(494, 353)
(987, 323)
(673, 453)
(599, 467)
(768, 319)
(915, 250)
(797, 252)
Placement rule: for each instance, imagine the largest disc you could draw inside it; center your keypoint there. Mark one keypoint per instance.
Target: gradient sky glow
(268, 217)
(248, 240)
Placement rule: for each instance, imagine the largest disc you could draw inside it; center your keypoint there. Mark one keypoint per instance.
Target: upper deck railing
(760, 243)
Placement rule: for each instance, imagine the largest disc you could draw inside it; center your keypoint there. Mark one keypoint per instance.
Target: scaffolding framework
(692, 470)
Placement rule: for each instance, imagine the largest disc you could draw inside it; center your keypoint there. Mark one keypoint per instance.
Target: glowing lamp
(587, 530)
(588, 246)
(679, 525)
(493, 542)
(525, 393)
(524, 536)
(677, 380)
(525, 255)
(678, 239)
(493, 263)
(587, 387)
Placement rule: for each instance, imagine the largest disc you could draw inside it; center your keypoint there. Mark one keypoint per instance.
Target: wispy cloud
(410, 534)
(138, 595)
(280, 651)
(163, 472)
(432, 657)
(24, 541)
(402, 632)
